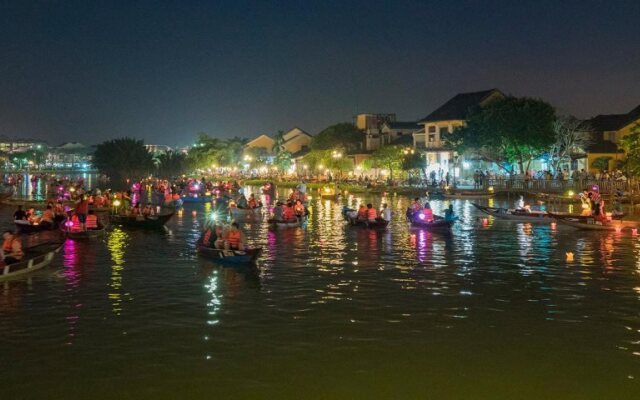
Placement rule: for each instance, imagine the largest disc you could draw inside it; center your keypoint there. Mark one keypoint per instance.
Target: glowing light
(634, 231)
(491, 188)
(116, 203)
(194, 213)
(553, 226)
(585, 205)
(570, 193)
(72, 189)
(421, 216)
(618, 229)
(569, 256)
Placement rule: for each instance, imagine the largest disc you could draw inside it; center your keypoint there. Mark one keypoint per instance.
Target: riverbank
(351, 188)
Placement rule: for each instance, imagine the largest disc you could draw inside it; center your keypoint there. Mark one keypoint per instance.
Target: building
(263, 141)
(295, 141)
(69, 155)
(394, 132)
(14, 145)
(607, 132)
(445, 119)
(371, 125)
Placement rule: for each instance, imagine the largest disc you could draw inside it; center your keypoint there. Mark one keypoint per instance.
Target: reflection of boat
(515, 215)
(27, 227)
(35, 257)
(229, 256)
(77, 234)
(284, 224)
(592, 224)
(145, 222)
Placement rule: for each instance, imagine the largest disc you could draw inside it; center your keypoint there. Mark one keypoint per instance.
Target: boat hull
(36, 257)
(150, 222)
(248, 256)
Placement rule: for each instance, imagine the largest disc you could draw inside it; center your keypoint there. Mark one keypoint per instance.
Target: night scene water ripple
(492, 310)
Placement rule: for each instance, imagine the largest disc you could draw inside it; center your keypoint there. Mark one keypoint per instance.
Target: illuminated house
(444, 119)
(295, 141)
(607, 132)
(372, 126)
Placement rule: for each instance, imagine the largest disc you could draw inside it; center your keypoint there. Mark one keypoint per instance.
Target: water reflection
(117, 243)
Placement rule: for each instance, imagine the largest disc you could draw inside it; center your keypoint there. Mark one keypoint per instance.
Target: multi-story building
(445, 119)
(372, 125)
(607, 132)
(14, 145)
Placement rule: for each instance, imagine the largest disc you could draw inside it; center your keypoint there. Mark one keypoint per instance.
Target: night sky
(166, 70)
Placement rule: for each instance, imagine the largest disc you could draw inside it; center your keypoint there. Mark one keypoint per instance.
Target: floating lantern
(634, 231)
(179, 213)
(553, 225)
(618, 229)
(194, 213)
(116, 203)
(570, 193)
(491, 188)
(421, 216)
(569, 256)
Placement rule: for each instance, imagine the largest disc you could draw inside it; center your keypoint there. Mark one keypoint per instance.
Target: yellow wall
(612, 162)
(262, 141)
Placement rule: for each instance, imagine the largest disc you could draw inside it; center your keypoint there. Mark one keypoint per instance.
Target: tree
(257, 156)
(414, 161)
(388, 157)
(282, 161)
(343, 135)
(205, 151)
(122, 159)
(631, 145)
(278, 143)
(171, 164)
(506, 131)
(571, 137)
(601, 163)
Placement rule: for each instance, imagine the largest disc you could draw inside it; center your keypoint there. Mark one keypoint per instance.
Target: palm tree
(278, 144)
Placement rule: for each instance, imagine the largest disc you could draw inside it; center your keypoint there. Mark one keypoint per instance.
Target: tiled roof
(457, 108)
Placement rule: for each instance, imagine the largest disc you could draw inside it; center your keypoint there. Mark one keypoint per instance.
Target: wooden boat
(596, 225)
(437, 224)
(514, 214)
(196, 199)
(378, 224)
(26, 227)
(467, 195)
(143, 222)
(246, 256)
(284, 224)
(80, 235)
(35, 257)
(244, 212)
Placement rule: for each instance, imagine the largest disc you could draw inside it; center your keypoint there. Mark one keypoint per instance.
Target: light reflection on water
(491, 310)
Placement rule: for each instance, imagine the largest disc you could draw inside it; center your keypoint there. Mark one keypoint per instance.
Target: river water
(492, 311)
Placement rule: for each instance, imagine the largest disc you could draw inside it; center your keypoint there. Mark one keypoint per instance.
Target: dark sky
(165, 70)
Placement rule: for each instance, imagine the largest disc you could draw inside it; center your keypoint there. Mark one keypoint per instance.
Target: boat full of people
(367, 216)
(226, 244)
(422, 216)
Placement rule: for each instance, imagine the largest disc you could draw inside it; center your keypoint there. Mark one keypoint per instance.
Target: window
(611, 136)
(432, 129)
(443, 130)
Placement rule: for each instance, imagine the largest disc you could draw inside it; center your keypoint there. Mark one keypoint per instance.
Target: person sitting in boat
(11, 248)
(242, 202)
(234, 239)
(47, 219)
(278, 212)
(362, 213)
(20, 214)
(416, 206)
(585, 199)
(427, 212)
(288, 213)
(449, 215)
(385, 212)
(372, 213)
(252, 203)
(91, 221)
(299, 209)
(293, 196)
(31, 215)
